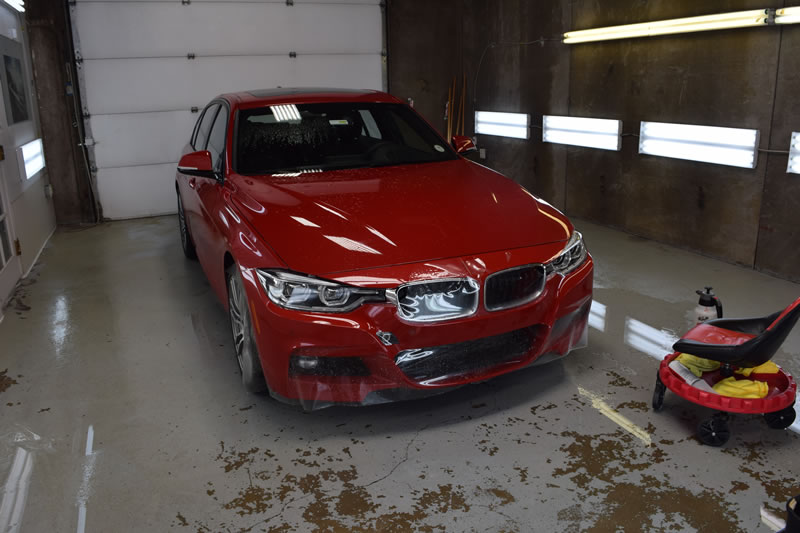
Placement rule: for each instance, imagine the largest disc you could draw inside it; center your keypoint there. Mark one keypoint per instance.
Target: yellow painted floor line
(607, 411)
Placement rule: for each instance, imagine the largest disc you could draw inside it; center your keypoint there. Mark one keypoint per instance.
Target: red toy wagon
(735, 344)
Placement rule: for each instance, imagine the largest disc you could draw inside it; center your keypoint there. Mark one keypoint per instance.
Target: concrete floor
(122, 410)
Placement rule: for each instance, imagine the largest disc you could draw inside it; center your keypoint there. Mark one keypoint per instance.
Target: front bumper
(443, 355)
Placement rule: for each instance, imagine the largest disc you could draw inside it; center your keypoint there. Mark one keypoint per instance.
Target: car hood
(345, 220)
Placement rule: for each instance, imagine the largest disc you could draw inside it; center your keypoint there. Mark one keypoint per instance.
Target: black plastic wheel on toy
(714, 431)
(658, 394)
(781, 419)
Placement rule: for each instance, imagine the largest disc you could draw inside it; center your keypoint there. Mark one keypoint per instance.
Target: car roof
(298, 95)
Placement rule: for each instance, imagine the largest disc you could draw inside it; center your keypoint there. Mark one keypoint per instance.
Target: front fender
(241, 244)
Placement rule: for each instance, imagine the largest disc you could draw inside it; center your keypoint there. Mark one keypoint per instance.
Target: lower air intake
(429, 365)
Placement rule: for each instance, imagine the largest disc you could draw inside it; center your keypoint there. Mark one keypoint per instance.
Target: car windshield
(331, 136)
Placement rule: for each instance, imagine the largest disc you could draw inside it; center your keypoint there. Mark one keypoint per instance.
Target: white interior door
(10, 266)
(26, 211)
(144, 67)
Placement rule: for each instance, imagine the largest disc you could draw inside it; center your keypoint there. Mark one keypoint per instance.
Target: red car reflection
(362, 258)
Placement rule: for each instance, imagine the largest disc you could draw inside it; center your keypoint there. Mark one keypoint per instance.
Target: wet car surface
(362, 258)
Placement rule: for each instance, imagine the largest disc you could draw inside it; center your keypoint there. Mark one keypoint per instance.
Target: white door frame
(10, 267)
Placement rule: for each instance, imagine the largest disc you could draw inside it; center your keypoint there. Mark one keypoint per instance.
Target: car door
(210, 231)
(188, 184)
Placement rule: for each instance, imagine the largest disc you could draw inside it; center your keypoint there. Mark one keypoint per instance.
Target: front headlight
(304, 293)
(571, 258)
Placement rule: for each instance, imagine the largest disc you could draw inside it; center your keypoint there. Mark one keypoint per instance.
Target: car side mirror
(197, 164)
(463, 144)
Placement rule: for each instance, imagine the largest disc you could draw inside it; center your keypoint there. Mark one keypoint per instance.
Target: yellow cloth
(767, 368)
(697, 365)
(741, 388)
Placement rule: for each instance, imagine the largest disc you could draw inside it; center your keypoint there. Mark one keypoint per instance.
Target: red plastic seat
(744, 343)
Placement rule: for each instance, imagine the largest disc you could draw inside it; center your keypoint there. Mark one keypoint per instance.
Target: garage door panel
(115, 86)
(131, 192)
(138, 85)
(174, 30)
(141, 139)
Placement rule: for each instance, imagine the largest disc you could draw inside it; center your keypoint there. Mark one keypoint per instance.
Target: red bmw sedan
(362, 258)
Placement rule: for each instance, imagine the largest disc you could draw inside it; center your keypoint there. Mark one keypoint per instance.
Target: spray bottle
(709, 307)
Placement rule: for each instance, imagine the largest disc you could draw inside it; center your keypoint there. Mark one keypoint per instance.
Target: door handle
(192, 183)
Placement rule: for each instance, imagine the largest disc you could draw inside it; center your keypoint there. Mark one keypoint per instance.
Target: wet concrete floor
(122, 411)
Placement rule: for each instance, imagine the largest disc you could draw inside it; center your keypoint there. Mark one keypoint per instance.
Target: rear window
(331, 136)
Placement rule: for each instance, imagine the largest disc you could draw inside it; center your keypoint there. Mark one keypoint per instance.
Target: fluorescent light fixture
(514, 125)
(286, 113)
(708, 144)
(720, 21)
(590, 132)
(794, 154)
(787, 15)
(19, 5)
(31, 158)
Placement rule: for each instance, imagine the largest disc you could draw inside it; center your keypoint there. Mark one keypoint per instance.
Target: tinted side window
(216, 139)
(205, 127)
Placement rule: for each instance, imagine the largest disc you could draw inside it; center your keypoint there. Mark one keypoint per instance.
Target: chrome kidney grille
(514, 287)
(432, 301)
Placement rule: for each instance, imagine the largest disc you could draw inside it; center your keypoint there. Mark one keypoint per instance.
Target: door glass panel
(4, 243)
(216, 140)
(5, 246)
(205, 126)
(16, 96)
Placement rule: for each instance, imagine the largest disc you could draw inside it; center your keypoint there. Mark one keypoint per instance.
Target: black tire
(244, 343)
(781, 419)
(658, 394)
(186, 238)
(714, 431)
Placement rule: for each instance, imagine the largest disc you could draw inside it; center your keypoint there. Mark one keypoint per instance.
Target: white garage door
(144, 65)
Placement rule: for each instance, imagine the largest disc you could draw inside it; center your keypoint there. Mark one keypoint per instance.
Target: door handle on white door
(192, 182)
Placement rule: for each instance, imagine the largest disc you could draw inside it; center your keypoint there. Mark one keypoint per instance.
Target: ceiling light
(19, 5)
(720, 21)
(787, 15)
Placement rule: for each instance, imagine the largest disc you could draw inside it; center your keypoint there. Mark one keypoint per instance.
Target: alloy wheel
(182, 223)
(239, 325)
(186, 240)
